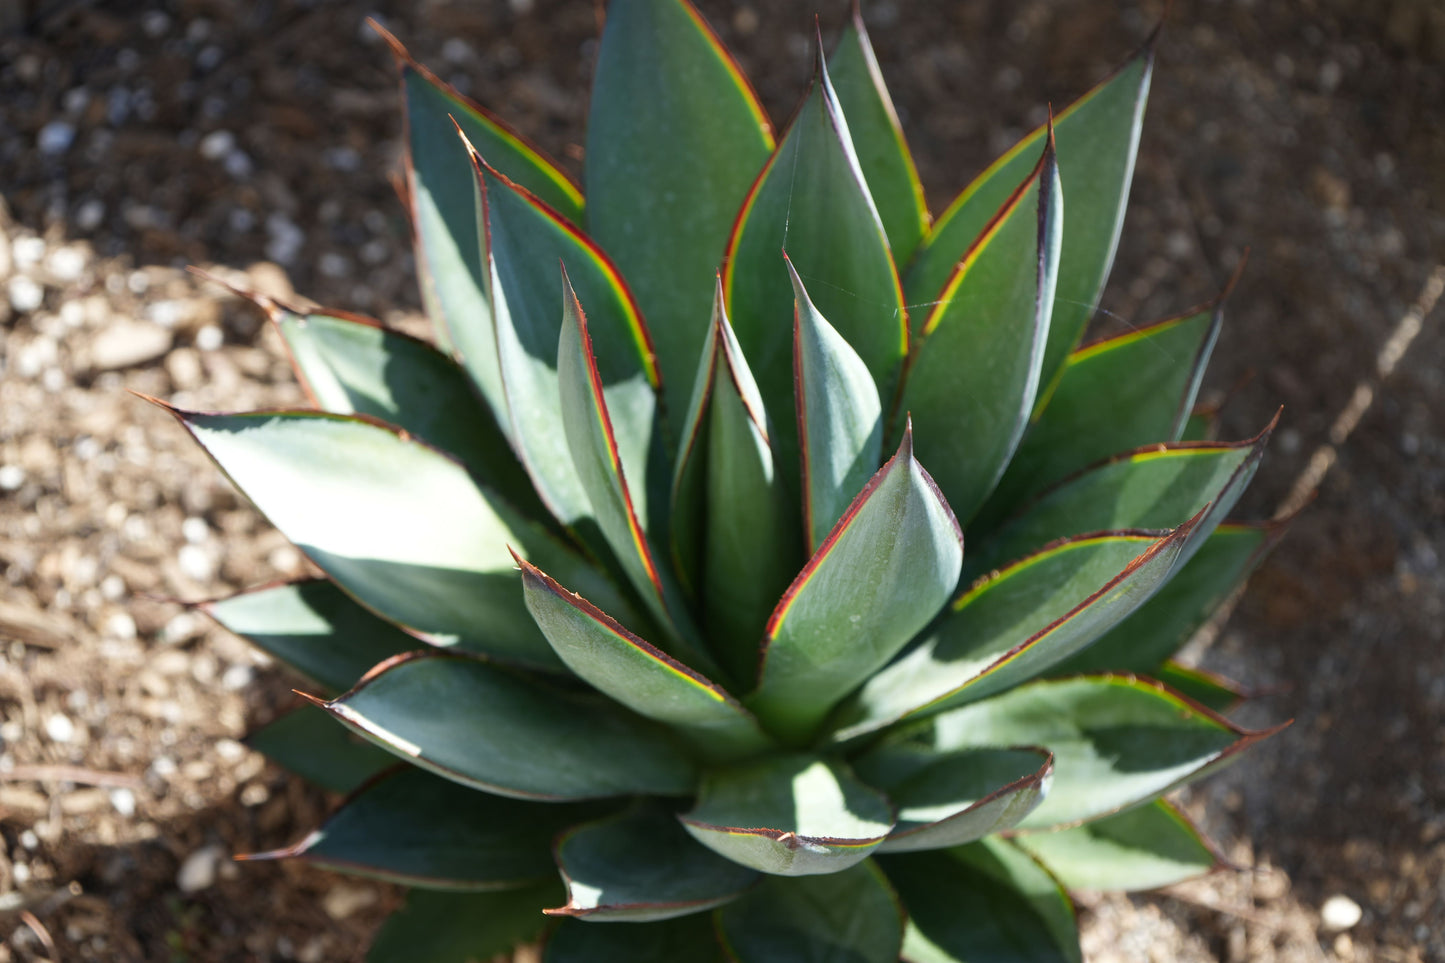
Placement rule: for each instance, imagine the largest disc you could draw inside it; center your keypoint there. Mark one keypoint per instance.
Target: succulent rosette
(646, 596)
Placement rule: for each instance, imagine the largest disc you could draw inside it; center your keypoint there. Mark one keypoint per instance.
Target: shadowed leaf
(314, 746)
(987, 902)
(315, 628)
(418, 829)
(851, 916)
(442, 927)
(641, 866)
(689, 938)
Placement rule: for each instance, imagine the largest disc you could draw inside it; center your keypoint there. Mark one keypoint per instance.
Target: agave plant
(749, 694)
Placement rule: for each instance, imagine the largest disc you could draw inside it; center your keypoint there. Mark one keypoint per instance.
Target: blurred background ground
(255, 139)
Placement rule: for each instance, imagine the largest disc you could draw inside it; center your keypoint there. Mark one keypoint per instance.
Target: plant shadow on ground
(1316, 138)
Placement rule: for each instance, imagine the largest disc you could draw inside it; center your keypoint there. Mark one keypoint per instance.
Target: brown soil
(255, 139)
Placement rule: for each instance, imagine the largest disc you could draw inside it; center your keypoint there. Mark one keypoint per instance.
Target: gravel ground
(255, 139)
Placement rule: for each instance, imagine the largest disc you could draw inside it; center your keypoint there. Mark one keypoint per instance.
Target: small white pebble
(20, 872)
(237, 677)
(230, 750)
(56, 137)
(29, 840)
(217, 144)
(28, 251)
(112, 588)
(11, 477)
(122, 800)
(89, 214)
(210, 338)
(163, 766)
(120, 626)
(285, 558)
(238, 165)
(195, 530)
(25, 294)
(1340, 913)
(59, 728)
(66, 263)
(181, 628)
(195, 562)
(199, 870)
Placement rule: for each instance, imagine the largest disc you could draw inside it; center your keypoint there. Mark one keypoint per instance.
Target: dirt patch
(256, 139)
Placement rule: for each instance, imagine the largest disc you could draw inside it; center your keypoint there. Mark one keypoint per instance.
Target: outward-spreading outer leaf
(1117, 741)
(851, 916)
(435, 561)
(505, 732)
(878, 139)
(314, 746)
(796, 815)
(886, 568)
(983, 342)
(1163, 624)
(840, 419)
(811, 198)
(1014, 625)
(315, 628)
(525, 240)
(675, 137)
(449, 244)
(987, 902)
(1144, 848)
(412, 827)
(353, 365)
(640, 865)
(1212, 691)
(1112, 396)
(1097, 137)
(726, 470)
(946, 799)
(1156, 487)
(442, 927)
(637, 674)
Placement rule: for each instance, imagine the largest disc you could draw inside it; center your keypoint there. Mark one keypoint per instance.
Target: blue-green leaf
(1118, 741)
(637, 674)
(441, 927)
(313, 627)
(664, 183)
(1112, 396)
(1144, 848)
(1015, 624)
(983, 342)
(812, 199)
(951, 798)
(840, 419)
(436, 560)
(524, 242)
(878, 139)
(796, 815)
(418, 829)
(449, 245)
(1097, 138)
(852, 916)
(641, 866)
(314, 746)
(987, 902)
(508, 733)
